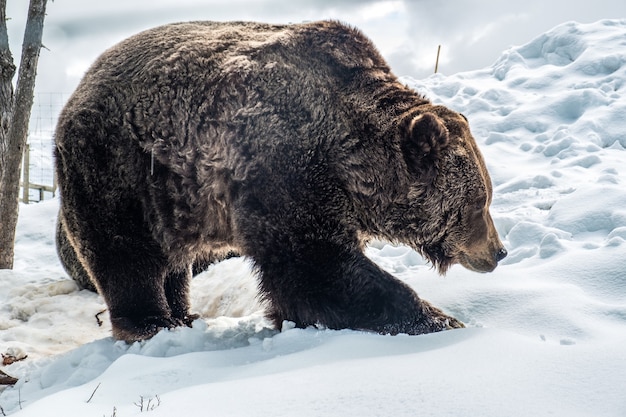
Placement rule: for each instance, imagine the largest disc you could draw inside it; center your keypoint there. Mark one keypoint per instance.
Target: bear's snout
(484, 249)
(483, 258)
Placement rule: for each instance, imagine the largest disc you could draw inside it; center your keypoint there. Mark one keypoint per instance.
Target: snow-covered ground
(546, 331)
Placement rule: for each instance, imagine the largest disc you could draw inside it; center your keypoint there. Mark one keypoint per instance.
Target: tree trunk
(15, 126)
(7, 71)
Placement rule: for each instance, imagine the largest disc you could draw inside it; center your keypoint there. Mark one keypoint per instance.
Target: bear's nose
(501, 254)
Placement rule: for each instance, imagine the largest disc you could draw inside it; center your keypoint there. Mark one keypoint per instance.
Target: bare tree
(14, 117)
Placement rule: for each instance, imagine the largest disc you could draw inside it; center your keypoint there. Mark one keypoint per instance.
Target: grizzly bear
(292, 145)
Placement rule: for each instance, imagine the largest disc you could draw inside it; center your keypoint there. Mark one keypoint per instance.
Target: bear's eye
(478, 207)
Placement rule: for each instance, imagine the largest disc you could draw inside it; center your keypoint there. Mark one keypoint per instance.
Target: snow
(546, 330)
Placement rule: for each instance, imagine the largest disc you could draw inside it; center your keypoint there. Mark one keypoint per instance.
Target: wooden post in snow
(26, 175)
(437, 61)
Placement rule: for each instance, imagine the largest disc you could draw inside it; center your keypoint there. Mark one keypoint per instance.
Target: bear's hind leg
(138, 306)
(131, 277)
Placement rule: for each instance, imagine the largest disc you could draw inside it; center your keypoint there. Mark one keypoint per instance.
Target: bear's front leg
(329, 285)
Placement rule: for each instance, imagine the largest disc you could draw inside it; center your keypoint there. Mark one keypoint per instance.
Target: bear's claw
(452, 323)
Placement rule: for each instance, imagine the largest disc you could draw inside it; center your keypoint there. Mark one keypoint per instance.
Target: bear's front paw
(427, 319)
(435, 320)
(133, 330)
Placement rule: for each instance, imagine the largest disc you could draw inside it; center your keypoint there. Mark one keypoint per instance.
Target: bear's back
(202, 47)
(209, 76)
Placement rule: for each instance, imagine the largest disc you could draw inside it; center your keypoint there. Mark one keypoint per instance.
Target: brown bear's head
(450, 193)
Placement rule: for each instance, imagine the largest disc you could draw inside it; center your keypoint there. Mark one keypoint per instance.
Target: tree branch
(25, 87)
(4, 37)
(7, 71)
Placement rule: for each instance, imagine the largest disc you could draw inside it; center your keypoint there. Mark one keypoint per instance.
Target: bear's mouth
(477, 264)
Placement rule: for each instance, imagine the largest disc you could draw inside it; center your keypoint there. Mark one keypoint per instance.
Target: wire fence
(38, 180)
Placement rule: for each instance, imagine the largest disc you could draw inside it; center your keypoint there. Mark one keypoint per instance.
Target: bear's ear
(426, 137)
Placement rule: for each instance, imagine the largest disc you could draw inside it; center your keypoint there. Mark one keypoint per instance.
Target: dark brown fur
(292, 145)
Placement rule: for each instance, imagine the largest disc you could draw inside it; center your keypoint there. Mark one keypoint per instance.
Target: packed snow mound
(546, 330)
(564, 88)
